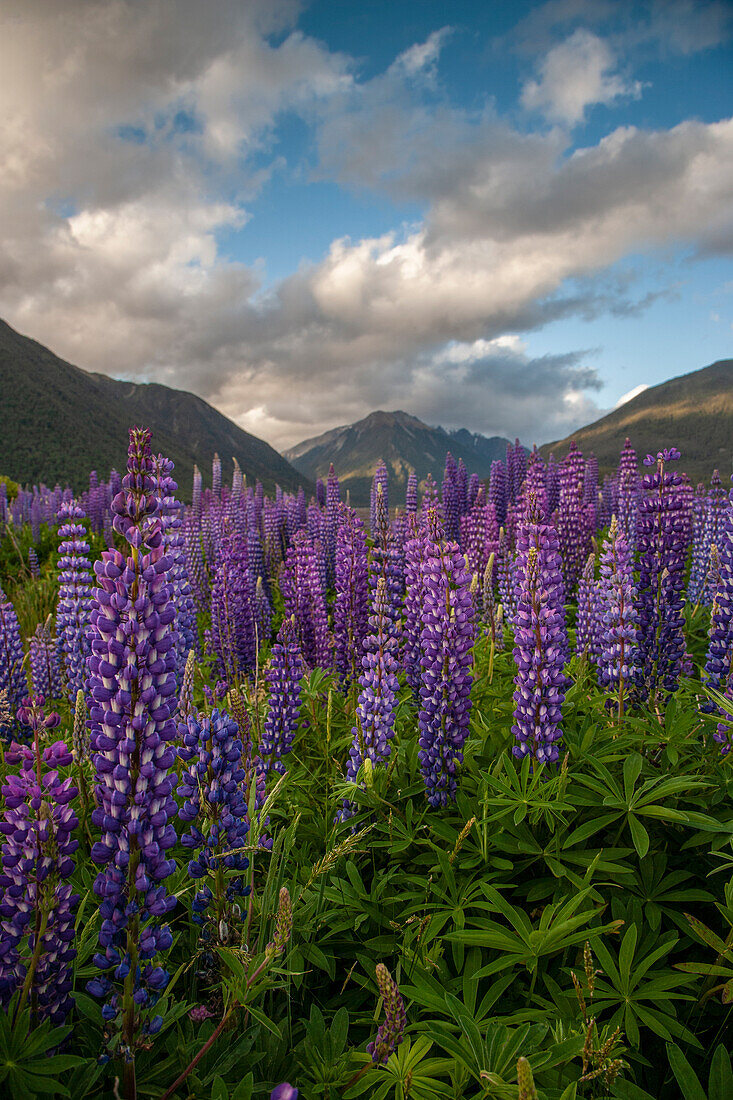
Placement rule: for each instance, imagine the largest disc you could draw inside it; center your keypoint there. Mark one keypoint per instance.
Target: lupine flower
(525, 1081)
(629, 489)
(552, 484)
(385, 562)
(412, 630)
(587, 625)
(44, 662)
(660, 540)
(285, 1091)
(350, 611)
(447, 639)
(216, 476)
(720, 638)
(263, 612)
(12, 678)
(392, 1031)
(33, 565)
(491, 615)
(174, 541)
(380, 480)
(571, 527)
(75, 587)
(617, 598)
(709, 534)
(283, 924)
(132, 678)
(185, 699)
(333, 500)
(305, 602)
(37, 898)
(232, 613)
(411, 494)
(498, 494)
(282, 675)
(215, 808)
(539, 651)
(374, 729)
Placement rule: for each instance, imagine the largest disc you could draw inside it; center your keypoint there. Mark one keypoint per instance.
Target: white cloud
(631, 394)
(574, 75)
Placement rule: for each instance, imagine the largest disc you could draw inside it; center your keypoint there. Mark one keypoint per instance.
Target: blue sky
(498, 216)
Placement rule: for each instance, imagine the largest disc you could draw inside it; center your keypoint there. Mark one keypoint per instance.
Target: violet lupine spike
(75, 592)
(185, 699)
(215, 809)
(450, 499)
(571, 526)
(498, 492)
(351, 610)
(375, 710)
(540, 646)
(720, 639)
(174, 547)
(232, 613)
(381, 479)
(430, 497)
(33, 566)
(37, 827)
(132, 681)
(390, 1033)
(282, 676)
(304, 599)
(385, 562)
(447, 639)
(544, 538)
(12, 676)
(333, 501)
(535, 484)
(216, 476)
(590, 480)
(411, 494)
(552, 482)
(44, 662)
(617, 606)
(709, 534)
(263, 613)
(629, 489)
(490, 610)
(412, 630)
(474, 485)
(587, 625)
(660, 540)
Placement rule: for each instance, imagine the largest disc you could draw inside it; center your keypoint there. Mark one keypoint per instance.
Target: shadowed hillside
(59, 421)
(693, 412)
(403, 442)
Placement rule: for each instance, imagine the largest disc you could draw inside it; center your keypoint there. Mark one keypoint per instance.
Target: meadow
(436, 805)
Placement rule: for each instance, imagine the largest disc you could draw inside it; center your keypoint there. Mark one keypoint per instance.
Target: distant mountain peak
(400, 440)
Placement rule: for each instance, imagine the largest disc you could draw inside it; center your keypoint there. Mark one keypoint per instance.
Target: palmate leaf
(27, 1068)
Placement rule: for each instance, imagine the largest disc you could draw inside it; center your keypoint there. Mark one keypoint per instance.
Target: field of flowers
(437, 804)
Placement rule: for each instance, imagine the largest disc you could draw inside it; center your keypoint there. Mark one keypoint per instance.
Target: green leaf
(639, 835)
(685, 1075)
(720, 1082)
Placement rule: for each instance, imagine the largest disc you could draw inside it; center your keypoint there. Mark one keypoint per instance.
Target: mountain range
(59, 422)
(693, 412)
(402, 441)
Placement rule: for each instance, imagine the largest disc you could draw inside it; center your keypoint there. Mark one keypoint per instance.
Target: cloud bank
(136, 136)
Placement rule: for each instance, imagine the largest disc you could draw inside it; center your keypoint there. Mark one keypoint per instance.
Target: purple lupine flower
(535, 484)
(333, 500)
(720, 638)
(12, 677)
(552, 483)
(386, 561)
(169, 512)
(540, 646)
(75, 588)
(447, 638)
(216, 476)
(282, 675)
(479, 533)
(490, 612)
(44, 662)
(710, 533)
(412, 630)
(284, 1091)
(587, 624)
(571, 528)
(350, 611)
(215, 807)
(196, 501)
(305, 602)
(232, 613)
(375, 709)
(474, 484)
(262, 612)
(37, 899)
(392, 1031)
(629, 489)
(617, 606)
(590, 480)
(411, 494)
(34, 567)
(132, 681)
(195, 565)
(504, 578)
(660, 539)
(498, 495)
(430, 500)
(380, 480)
(451, 500)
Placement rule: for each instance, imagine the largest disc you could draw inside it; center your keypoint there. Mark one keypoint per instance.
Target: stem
(35, 959)
(357, 1077)
(197, 1057)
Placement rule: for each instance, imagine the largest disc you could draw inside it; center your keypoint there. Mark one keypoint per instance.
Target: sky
(507, 217)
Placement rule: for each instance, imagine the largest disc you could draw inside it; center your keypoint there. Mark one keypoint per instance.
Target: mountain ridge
(693, 412)
(397, 438)
(60, 421)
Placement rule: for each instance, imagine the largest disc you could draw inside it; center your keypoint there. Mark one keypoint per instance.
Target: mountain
(59, 422)
(693, 413)
(402, 441)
